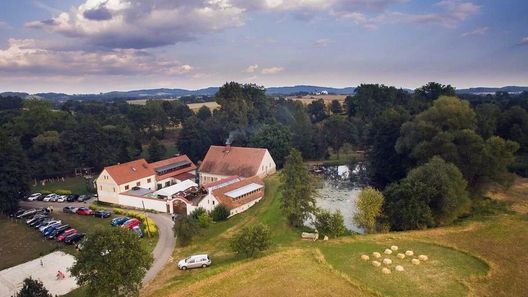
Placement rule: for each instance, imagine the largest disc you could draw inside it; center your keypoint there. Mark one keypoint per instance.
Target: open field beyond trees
(483, 255)
(77, 185)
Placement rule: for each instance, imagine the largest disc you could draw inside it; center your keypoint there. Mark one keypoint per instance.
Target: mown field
(327, 98)
(482, 255)
(192, 106)
(77, 185)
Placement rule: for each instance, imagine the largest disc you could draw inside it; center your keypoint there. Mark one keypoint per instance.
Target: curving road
(163, 250)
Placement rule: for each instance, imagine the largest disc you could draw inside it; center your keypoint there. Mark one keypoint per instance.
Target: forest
(430, 153)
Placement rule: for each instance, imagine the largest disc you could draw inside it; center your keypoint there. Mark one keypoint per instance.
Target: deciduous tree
(368, 209)
(32, 288)
(252, 240)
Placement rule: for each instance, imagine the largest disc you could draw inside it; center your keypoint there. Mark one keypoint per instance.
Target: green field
(483, 255)
(77, 185)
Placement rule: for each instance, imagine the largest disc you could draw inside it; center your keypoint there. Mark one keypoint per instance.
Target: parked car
(84, 211)
(119, 221)
(51, 225)
(33, 196)
(103, 214)
(72, 198)
(41, 197)
(70, 209)
(83, 198)
(27, 213)
(65, 234)
(50, 229)
(62, 198)
(41, 223)
(131, 223)
(195, 261)
(138, 231)
(37, 222)
(51, 198)
(36, 217)
(58, 231)
(47, 224)
(74, 238)
(18, 213)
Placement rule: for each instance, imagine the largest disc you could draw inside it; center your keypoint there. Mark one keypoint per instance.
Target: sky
(92, 46)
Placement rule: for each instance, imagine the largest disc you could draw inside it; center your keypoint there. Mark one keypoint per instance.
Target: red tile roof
(138, 169)
(241, 161)
(130, 171)
(234, 203)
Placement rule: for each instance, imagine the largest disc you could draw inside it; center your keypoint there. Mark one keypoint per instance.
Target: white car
(33, 196)
(49, 223)
(62, 198)
(195, 261)
(49, 197)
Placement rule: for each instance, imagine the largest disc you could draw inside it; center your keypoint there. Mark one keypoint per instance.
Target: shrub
(204, 220)
(185, 228)
(45, 192)
(118, 211)
(195, 214)
(63, 192)
(220, 213)
(92, 207)
(150, 226)
(252, 240)
(330, 224)
(32, 288)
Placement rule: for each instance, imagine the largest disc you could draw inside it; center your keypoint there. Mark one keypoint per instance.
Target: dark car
(41, 197)
(50, 230)
(71, 198)
(74, 238)
(102, 214)
(38, 221)
(36, 218)
(58, 231)
(69, 209)
(119, 221)
(41, 223)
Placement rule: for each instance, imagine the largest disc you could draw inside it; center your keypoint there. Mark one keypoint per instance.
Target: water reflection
(338, 188)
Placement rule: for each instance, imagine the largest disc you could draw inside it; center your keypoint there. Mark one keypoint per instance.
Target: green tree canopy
(336, 107)
(156, 150)
(252, 240)
(32, 288)
(204, 113)
(369, 209)
(338, 131)
(297, 190)
(329, 224)
(112, 263)
(193, 139)
(276, 138)
(185, 228)
(14, 173)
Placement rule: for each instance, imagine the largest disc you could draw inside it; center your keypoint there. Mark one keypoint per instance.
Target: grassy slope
(481, 256)
(77, 185)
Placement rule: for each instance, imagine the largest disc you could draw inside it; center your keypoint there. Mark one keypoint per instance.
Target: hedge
(63, 192)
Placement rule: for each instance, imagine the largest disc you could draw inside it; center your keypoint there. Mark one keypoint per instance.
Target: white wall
(206, 178)
(152, 204)
(244, 207)
(267, 166)
(143, 183)
(107, 189)
(208, 203)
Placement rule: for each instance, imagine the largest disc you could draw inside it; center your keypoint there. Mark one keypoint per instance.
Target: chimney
(227, 146)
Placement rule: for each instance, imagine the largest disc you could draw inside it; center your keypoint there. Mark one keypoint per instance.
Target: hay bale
(387, 261)
(376, 264)
(415, 261)
(388, 251)
(409, 253)
(394, 247)
(399, 268)
(401, 256)
(385, 270)
(365, 257)
(376, 255)
(423, 258)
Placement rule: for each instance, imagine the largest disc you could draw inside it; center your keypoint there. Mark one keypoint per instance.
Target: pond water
(338, 189)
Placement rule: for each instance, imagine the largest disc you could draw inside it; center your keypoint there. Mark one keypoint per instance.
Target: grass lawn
(483, 255)
(78, 185)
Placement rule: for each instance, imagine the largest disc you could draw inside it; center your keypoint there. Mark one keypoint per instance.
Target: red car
(131, 223)
(83, 211)
(66, 234)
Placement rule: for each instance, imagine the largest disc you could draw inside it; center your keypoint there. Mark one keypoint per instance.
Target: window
(167, 184)
(213, 202)
(160, 186)
(127, 187)
(114, 189)
(101, 188)
(148, 180)
(138, 184)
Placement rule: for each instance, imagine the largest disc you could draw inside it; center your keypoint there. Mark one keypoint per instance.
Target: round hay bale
(365, 257)
(394, 247)
(376, 255)
(401, 256)
(399, 268)
(388, 251)
(409, 253)
(387, 261)
(423, 258)
(376, 264)
(415, 261)
(385, 270)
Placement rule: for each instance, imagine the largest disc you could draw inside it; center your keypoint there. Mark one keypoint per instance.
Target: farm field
(474, 257)
(307, 99)
(77, 185)
(192, 106)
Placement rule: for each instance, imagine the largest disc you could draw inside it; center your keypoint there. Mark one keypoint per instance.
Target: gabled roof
(229, 202)
(241, 161)
(179, 160)
(130, 171)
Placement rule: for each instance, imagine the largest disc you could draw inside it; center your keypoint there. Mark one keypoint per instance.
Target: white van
(195, 261)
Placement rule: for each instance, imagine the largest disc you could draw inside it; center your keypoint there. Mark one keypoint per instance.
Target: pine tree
(156, 150)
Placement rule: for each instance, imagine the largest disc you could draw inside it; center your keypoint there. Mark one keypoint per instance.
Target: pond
(338, 189)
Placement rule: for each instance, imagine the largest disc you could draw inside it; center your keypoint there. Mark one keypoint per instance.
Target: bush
(204, 220)
(220, 213)
(45, 192)
(92, 207)
(251, 240)
(330, 224)
(195, 214)
(32, 288)
(63, 192)
(151, 227)
(118, 211)
(185, 227)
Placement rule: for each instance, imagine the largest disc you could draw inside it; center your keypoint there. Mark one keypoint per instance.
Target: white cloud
(251, 68)
(25, 56)
(272, 70)
(524, 41)
(322, 42)
(477, 31)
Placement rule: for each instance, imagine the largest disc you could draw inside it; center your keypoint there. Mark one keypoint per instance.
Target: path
(165, 246)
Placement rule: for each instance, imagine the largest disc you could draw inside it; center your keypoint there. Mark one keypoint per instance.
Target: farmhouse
(133, 183)
(226, 161)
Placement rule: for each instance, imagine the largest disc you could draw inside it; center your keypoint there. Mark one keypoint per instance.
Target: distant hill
(165, 93)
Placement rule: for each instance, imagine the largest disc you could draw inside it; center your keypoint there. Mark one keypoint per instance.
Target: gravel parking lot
(11, 278)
